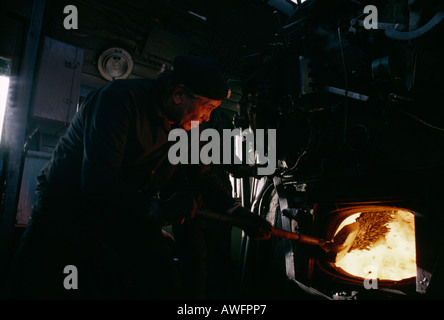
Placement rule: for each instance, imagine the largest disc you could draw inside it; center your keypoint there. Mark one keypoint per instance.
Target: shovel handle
(239, 222)
(302, 238)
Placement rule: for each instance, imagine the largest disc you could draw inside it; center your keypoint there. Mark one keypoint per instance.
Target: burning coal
(378, 244)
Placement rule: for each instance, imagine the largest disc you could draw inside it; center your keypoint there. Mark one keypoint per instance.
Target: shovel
(339, 248)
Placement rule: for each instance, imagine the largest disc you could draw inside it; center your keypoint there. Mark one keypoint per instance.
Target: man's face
(192, 107)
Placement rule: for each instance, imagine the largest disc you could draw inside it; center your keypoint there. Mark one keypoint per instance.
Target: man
(97, 207)
(204, 247)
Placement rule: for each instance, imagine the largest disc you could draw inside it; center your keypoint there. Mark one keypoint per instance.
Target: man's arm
(217, 196)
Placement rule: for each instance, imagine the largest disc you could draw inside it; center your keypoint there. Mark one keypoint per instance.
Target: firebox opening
(377, 242)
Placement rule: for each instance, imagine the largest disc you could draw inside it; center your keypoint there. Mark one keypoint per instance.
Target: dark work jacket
(94, 196)
(114, 156)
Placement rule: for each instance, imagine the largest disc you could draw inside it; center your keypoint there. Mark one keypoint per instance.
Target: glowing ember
(381, 244)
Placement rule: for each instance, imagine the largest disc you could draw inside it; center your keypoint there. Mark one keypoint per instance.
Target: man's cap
(202, 76)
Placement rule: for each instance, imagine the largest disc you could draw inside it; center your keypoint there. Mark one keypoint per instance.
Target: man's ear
(178, 94)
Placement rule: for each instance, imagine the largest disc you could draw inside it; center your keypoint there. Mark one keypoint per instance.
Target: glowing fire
(378, 249)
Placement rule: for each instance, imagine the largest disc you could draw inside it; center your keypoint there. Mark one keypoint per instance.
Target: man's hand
(181, 205)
